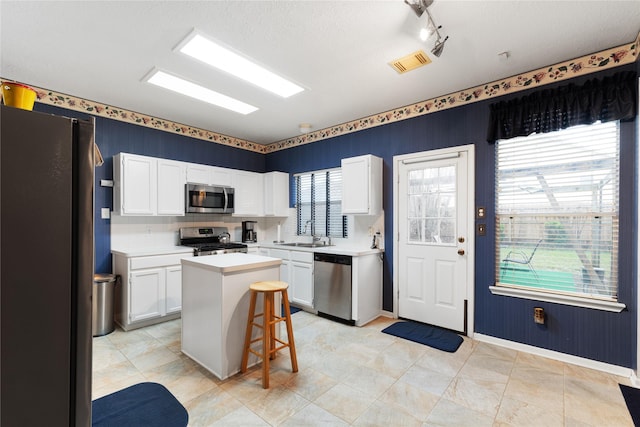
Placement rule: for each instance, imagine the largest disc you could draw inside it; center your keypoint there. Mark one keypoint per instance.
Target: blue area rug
(292, 309)
(144, 404)
(632, 397)
(432, 336)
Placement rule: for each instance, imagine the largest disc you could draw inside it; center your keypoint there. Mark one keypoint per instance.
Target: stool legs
(292, 345)
(247, 336)
(269, 340)
(267, 334)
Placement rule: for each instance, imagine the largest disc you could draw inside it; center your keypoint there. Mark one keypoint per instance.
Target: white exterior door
(434, 232)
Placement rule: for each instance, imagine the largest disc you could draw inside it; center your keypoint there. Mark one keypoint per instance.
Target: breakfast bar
(215, 305)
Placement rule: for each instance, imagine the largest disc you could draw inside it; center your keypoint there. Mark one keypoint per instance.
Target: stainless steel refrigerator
(46, 269)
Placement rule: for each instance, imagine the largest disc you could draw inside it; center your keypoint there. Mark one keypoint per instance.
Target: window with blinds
(319, 204)
(557, 211)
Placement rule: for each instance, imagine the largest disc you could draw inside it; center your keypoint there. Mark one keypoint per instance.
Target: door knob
(460, 251)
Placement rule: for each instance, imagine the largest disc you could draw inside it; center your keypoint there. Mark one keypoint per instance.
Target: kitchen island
(215, 305)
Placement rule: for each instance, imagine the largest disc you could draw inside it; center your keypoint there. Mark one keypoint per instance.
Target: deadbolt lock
(461, 239)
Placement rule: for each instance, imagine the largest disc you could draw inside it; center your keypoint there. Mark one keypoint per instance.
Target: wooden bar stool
(270, 343)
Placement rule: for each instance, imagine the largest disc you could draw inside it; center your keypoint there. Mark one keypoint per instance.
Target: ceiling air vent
(410, 62)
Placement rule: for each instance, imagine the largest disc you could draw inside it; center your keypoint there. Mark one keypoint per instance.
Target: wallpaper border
(610, 58)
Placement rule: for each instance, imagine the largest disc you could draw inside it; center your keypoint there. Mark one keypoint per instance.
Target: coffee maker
(249, 234)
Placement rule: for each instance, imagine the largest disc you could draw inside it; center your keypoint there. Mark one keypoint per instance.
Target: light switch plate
(106, 183)
(104, 213)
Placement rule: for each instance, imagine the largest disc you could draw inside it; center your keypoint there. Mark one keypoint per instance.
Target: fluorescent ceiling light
(207, 51)
(184, 87)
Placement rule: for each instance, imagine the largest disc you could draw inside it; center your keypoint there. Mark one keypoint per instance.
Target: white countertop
(233, 262)
(150, 251)
(335, 249)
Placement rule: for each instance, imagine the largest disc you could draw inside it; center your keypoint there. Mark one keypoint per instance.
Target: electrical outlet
(104, 213)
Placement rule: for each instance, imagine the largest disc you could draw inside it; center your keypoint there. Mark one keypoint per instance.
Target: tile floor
(362, 377)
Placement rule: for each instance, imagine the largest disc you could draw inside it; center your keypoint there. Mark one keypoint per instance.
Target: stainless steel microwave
(208, 199)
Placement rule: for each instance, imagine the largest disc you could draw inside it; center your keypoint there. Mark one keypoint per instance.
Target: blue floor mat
(144, 404)
(632, 399)
(432, 336)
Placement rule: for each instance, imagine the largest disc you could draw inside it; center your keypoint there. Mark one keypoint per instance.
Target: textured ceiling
(337, 50)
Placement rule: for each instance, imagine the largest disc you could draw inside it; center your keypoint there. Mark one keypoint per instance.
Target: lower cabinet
(297, 270)
(301, 277)
(145, 294)
(150, 289)
(366, 282)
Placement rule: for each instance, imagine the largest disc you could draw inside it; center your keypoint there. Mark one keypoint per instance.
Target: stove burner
(205, 241)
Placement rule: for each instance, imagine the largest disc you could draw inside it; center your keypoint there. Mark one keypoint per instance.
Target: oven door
(208, 199)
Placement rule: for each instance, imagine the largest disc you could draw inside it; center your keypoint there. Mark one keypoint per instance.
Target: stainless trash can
(102, 304)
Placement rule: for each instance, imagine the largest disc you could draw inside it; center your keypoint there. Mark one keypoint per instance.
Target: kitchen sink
(306, 245)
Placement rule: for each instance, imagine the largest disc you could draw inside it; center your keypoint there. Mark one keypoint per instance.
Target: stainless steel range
(209, 241)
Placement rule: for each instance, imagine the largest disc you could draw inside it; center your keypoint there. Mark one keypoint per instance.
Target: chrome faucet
(314, 238)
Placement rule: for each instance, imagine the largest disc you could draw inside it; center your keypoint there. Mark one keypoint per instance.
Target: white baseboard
(562, 357)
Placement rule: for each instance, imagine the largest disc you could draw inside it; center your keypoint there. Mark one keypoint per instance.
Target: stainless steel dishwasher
(332, 286)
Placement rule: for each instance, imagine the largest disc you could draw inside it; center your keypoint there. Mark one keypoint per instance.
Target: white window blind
(319, 203)
(557, 211)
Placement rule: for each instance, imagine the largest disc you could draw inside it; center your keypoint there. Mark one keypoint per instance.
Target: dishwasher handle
(332, 258)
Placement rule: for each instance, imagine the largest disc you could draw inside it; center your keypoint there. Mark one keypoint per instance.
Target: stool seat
(269, 286)
(269, 319)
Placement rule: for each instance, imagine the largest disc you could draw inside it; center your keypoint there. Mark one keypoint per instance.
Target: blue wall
(593, 334)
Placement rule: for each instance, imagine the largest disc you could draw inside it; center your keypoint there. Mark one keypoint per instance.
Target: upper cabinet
(248, 193)
(134, 185)
(171, 180)
(209, 175)
(151, 186)
(199, 174)
(362, 185)
(147, 185)
(276, 194)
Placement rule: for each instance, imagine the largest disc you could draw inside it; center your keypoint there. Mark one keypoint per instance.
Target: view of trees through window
(557, 211)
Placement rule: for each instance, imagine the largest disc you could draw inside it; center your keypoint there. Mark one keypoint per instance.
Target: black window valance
(610, 98)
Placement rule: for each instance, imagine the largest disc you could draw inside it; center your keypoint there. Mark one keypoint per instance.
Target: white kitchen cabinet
(248, 193)
(297, 270)
(301, 281)
(362, 185)
(199, 174)
(150, 289)
(174, 289)
(148, 186)
(171, 182)
(145, 294)
(284, 267)
(222, 176)
(209, 175)
(276, 194)
(135, 184)
(366, 285)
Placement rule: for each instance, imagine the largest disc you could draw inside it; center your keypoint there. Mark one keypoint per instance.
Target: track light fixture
(419, 7)
(439, 46)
